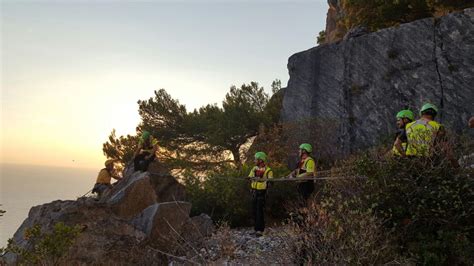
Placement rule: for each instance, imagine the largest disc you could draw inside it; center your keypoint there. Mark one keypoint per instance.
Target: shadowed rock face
(163, 222)
(361, 83)
(130, 196)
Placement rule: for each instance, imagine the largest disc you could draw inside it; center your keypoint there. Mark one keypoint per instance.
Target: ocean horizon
(25, 186)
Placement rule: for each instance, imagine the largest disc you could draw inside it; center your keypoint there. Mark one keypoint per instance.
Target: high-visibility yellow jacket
(103, 177)
(396, 152)
(264, 172)
(421, 135)
(402, 136)
(306, 166)
(151, 145)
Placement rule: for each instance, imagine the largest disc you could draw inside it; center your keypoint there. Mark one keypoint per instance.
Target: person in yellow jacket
(259, 190)
(404, 117)
(423, 133)
(306, 168)
(104, 178)
(146, 152)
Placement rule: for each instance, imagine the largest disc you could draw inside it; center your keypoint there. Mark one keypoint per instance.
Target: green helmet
(145, 135)
(261, 156)
(307, 147)
(406, 114)
(427, 106)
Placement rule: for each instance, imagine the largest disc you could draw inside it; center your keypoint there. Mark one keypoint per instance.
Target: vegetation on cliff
(380, 14)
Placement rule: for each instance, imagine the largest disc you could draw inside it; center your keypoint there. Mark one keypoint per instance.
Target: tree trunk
(236, 155)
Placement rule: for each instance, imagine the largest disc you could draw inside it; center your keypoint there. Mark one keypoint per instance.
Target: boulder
(131, 195)
(198, 227)
(162, 223)
(105, 238)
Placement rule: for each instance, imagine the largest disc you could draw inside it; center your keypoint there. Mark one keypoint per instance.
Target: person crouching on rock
(145, 154)
(259, 190)
(104, 178)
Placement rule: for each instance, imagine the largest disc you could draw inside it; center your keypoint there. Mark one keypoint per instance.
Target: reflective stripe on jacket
(421, 135)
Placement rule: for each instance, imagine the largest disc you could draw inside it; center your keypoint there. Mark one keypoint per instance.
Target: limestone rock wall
(360, 83)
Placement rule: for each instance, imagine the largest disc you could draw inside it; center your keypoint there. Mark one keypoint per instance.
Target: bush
(336, 228)
(45, 248)
(380, 14)
(427, 203)
(406, 210)
(226, 196)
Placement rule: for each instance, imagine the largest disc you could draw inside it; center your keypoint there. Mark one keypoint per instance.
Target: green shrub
(337, 229)
(225, 195)
(45, 248)
(427, 203)
(379, 14)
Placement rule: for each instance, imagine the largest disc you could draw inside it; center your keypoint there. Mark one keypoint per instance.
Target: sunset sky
(71, 71)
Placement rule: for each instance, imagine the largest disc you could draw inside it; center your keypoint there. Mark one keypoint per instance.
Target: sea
(25, 186)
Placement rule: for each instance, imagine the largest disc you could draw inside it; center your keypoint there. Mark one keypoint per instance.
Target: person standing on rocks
(400, 145)
(306, 168)
(424, 133)
(104, 178)
(146, 152)
(259, 190)
(427, 138)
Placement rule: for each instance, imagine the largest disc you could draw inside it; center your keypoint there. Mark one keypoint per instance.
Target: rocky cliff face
(359, 84)
(334, 32)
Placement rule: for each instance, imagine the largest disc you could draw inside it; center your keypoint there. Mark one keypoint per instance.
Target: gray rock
(104, 238)
(163, 223)
(354, 88)
(131, 196)
(355, 32)
(198, 227)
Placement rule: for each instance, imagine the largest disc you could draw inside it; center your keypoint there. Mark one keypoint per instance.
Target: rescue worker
(259, 191)
(423, 133)
(400, 145)
(145, 154)
(103, 182)
(306, 168)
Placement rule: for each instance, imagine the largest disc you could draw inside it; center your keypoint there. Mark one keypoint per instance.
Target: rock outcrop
(134, 223)
(130, 196)
(334, 31)
(358, 85)
(163, 222)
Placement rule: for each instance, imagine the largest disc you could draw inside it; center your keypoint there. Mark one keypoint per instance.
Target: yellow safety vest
(396, 152)
(421, 135)
(103, 177)
(260, 185)
(307, 166)
(148, 148)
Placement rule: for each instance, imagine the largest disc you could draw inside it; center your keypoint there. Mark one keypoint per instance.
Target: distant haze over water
(25, 186)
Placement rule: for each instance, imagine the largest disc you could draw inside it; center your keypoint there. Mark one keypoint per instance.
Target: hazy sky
(71, 71)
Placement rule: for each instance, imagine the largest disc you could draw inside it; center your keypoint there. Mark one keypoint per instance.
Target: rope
(285, 179)
(282, 179)
(86, 193)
